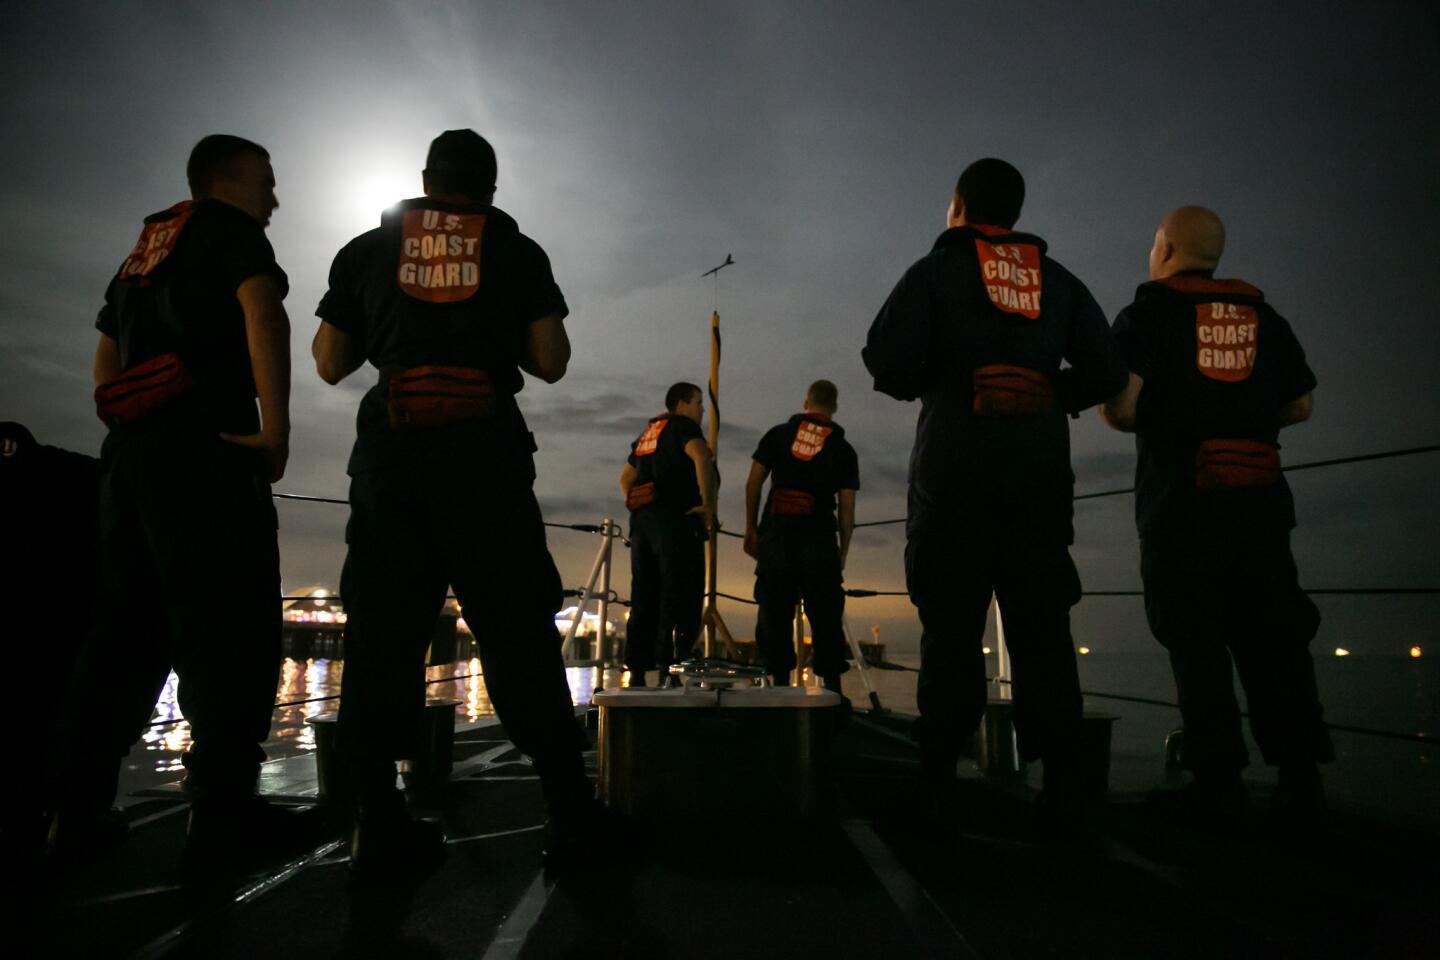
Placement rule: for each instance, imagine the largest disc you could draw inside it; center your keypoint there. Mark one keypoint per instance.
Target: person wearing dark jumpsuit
(977, 330)
(48, 501)
(668, 485)
(1216, 373)
(193, 330)
(450, 302)
(813, 473)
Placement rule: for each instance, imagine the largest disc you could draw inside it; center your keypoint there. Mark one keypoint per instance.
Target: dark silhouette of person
(450, 302)
(813, 473)
(51, 536)
(977, 330)
(1216, 373)
(192, 332)
(669, 487)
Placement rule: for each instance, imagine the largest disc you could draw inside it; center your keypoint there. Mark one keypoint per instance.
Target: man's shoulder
(373, 239)
(217, 222)
(365, 249)
(1153, 303)
(781, 431)
(503, 229)
(686, 429)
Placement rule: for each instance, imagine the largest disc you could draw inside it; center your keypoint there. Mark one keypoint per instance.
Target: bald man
(1215, 374)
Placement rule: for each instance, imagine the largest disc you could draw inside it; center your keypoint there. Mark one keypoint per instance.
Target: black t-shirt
(810, 454)
(49, 501)
(1218, 363)
(658, 456)
(988, 296)
(185, 303)
(478, 321)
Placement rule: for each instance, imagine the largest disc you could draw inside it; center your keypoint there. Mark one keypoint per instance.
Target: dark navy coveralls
(1216, 562)
(448, 503)
(667, 547)
(990, 496)
(50, 561)
(809, 461)
(190, 567)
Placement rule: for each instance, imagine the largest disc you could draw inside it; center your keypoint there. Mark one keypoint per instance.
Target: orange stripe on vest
(1011, 275)
(640, 495)
(1225, 335)
(143, 389)
(809, 440)
(1002, 390)
(434, 395)
(1224, 464)
(157, 241)
(789, 502)
(440, 255)
(650, 439)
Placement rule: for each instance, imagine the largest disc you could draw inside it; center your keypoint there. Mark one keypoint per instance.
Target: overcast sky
(640, 143)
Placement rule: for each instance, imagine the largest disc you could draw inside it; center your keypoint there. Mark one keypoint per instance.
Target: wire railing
(862, 593)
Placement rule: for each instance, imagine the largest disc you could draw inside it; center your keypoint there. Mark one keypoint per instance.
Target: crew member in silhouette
(813, 474)
(51, 543)
(977, 330)
(450, 302)
(1216, 373)
(669, 487)
(193, 330)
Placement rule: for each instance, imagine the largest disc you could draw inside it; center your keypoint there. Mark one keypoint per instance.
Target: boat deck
(869, 880)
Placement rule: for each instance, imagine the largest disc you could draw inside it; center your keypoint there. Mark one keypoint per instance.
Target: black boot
(1062, 809)
(1213, 798)
(1299, 796)
(229, 836)
(80, 837)
(386, 839)
(578, 828)
(941, 812)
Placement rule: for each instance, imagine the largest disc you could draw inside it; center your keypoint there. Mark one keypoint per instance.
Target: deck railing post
(796, 678)
(602, 641)
(859, 656)
(585, 595)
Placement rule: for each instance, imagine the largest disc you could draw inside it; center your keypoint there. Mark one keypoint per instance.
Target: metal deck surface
(870, 879)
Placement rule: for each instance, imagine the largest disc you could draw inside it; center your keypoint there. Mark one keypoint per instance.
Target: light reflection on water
(317, 680)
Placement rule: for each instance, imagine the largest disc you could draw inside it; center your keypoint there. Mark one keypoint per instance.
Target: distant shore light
(1084, 651)
(1415, 651)
(1341, 652)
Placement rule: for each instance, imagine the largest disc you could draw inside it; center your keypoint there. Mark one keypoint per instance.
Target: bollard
(428, 768)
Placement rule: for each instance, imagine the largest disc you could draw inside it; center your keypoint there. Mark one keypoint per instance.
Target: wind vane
(728, 261)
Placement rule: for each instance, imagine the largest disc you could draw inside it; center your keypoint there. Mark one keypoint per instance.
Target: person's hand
(752, 542)
(707, 517)
(272, 449)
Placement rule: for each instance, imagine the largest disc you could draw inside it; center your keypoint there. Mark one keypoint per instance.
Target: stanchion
(601, 565)
(799, 637)
(860, 665)
(602, 639)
